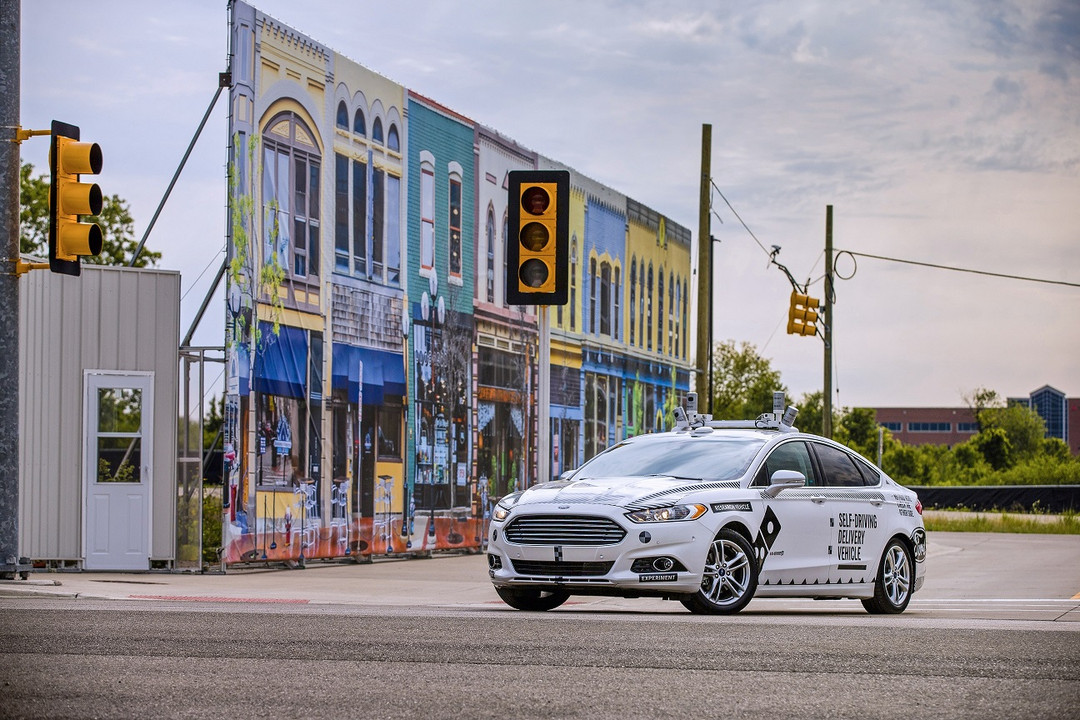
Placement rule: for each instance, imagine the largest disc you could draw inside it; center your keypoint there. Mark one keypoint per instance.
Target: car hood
(619, 491)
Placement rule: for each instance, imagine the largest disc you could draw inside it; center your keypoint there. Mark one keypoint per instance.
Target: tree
(811, 411)
(995, 447)
(117, 225)
(1022, 426)
(743, 382)
(981, 399)
(858, 429)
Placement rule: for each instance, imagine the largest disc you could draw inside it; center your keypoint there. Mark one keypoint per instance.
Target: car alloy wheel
(895, 578)
(729, 578)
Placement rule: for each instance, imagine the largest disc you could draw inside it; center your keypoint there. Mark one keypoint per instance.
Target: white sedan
(713, 514)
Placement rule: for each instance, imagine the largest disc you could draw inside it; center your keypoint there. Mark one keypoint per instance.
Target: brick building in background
(952, 425)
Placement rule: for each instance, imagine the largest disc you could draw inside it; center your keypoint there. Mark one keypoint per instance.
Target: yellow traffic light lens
(533, 273)
(78, 198)
(534, 237)
(535, 200)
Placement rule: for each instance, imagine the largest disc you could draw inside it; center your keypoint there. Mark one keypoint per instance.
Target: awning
(383, 373)
(281, 361)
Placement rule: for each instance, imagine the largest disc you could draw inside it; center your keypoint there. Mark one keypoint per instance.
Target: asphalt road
(993, 634)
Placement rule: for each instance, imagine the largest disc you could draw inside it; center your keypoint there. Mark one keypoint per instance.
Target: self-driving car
(713, 514)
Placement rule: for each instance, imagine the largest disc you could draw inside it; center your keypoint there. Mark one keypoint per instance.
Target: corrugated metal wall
(108, 319)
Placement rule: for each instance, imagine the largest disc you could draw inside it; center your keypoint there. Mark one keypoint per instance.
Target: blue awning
(383, 373)
(281, 361)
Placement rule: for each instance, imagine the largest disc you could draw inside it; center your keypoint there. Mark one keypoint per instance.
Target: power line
(721, 194)
(957, 269)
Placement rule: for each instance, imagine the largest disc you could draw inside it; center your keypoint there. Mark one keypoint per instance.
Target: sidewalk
(443, 580)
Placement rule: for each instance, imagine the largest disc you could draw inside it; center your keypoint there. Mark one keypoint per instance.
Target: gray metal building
(98, 375)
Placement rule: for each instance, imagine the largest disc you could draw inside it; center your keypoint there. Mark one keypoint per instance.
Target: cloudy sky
(943, 132)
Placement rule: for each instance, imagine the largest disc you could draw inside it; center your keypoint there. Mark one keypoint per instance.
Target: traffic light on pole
(538, 247)
(802, 315)
(69, 197)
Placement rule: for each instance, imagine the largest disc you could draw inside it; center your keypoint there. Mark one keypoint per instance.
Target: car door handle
(819, 499)
(876, 503)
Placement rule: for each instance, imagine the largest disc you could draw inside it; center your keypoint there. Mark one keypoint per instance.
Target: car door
(857, 521)
(792, 541)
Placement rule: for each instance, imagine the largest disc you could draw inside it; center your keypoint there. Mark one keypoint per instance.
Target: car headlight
(667, 514)
(503, 507)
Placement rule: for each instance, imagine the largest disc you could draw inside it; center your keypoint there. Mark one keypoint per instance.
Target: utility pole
(705, 272)
(826, 413)
(10, 49)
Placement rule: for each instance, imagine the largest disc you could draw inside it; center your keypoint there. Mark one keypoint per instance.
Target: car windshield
(684, 456)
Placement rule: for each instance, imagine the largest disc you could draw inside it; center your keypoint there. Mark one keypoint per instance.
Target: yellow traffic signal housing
(537, 247)
(69, 197)
(802, 314)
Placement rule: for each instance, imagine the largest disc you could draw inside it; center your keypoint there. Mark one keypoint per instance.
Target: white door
(118, 457)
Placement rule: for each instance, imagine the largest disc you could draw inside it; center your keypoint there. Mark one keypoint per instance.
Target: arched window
(376, 131)
(573, 282)
(392, 141)
(342, 116)
(671, 316)
(686, 331)
(290, 195)
(453, 221)
(633, 297)
(490, 235)
(592, 295)
(660, 311)
(427, 208)
(605, 299)
(358, 125)
(676, 347)
(648, 311)
(616, 292)
(641, 305)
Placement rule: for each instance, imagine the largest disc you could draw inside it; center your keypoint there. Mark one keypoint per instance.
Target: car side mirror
(783, 480)
(567, 474)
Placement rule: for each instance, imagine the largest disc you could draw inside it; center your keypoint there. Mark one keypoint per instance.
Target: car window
(789, 456)
(838, 467)
(705, 458)
(870, 473)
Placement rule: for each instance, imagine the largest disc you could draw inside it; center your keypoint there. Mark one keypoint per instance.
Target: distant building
(934, 426)
(1053, 408)
(949, 426)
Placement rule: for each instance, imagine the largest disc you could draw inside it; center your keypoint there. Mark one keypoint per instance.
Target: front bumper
(604, 568)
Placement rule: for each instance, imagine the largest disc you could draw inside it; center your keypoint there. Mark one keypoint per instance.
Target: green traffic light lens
(534, 237)
(535, 200)
(533, 273)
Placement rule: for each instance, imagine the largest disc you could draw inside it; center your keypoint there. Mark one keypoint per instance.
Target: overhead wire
(959, 269)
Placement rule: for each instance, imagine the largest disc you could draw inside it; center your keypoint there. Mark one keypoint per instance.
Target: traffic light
(69, 239)
(538, 249)
(802, 315)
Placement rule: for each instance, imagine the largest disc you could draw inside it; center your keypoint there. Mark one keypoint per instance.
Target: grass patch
(1003, 522)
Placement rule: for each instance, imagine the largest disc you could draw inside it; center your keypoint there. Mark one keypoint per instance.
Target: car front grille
(563, 530)
(561, 569)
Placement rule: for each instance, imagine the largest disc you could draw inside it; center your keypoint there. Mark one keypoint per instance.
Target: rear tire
(895, 580)
(532, 599)
(729, 579)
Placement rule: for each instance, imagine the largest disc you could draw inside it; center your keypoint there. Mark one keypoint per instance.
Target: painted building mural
(381, 395)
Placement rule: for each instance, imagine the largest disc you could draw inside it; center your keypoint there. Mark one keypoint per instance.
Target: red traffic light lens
(534, 236)
(533, 273)
(535, 200)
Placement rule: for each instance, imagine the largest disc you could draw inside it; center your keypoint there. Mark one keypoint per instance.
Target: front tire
(895, 579)
(532, 599)
(729, 579)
